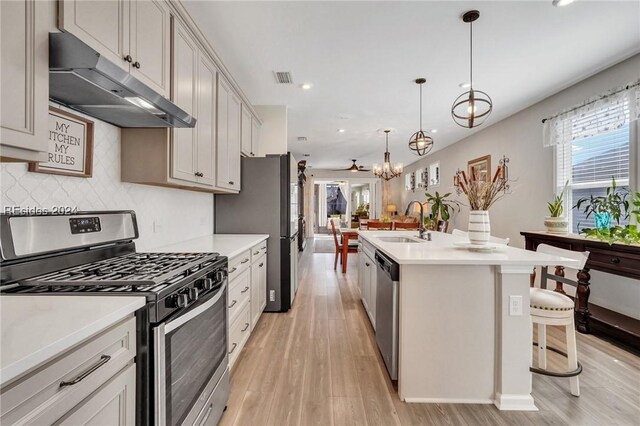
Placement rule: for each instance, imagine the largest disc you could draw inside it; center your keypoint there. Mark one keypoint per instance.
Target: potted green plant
(441, 206)
(556, 222)
(612, 206)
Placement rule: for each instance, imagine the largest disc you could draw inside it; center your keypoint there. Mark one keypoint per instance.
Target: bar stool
(553, 308)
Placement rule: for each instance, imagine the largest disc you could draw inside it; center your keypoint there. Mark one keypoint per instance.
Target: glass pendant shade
(471, 108)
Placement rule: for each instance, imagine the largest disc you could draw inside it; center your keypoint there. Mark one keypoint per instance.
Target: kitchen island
(459, 341)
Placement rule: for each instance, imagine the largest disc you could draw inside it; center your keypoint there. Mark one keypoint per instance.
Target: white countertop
(36, 328)
(442, 251)
(229, 245)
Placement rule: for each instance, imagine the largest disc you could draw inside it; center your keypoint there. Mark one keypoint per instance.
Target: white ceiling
(362, 58)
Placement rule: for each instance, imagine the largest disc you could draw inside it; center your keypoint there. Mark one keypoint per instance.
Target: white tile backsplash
(165, 216)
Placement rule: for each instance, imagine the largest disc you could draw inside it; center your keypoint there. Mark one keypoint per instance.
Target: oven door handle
(182, 319)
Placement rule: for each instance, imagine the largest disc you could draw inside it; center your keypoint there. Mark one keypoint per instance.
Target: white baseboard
(449, 400)
(515, 402)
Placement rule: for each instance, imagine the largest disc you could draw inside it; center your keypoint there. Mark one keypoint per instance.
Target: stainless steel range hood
(82, 79)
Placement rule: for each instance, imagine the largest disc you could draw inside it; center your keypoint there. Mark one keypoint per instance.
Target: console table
(616, 259)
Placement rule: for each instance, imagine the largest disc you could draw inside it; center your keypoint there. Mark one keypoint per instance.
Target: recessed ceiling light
(302, 138)
(306, 86)
(434, 130)
(464, 85)
(307, 155)
(560, 3)
(341, 130)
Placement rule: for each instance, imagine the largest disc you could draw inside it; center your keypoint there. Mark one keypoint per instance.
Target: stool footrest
(553, 373)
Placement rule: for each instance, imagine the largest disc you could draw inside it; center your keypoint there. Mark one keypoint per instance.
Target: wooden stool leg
(335, 262)
(542, 346)
(572, 358)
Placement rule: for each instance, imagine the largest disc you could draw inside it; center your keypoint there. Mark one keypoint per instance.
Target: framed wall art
(70, 146)
(480, 169)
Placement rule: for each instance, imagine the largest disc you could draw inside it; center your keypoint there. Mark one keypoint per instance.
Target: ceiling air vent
(283, 77)
(302, 138)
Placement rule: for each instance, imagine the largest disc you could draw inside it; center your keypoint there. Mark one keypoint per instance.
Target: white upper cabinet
(149, 41)
(255, 137)
(102, 24)
(246, 132)
(185, 68)
(133, 34)
(206, 125)
(228, 141)
(24, 80)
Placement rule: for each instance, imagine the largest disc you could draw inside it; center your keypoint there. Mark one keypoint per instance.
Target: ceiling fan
(354, 168)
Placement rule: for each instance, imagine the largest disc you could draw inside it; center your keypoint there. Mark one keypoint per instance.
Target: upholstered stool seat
(548, 303)
(552, 308)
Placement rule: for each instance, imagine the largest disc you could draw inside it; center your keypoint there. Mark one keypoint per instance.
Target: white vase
(556, 225)
(479, 227)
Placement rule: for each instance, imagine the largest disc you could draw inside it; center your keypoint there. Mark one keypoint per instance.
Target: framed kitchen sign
(479, 169)
(70, 146)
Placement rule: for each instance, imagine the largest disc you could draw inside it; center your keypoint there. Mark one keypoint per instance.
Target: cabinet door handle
(256, 252)
(230, 182)
(128, 58)
(136, 64)
(103, 360)
(199, 174)
(615, 260)
(232, 304)
(233, 270)
(245, 261)
(246, 326)
(233, 348)
(261, 265)
(367, 263)
(245, 290)
(263, 247)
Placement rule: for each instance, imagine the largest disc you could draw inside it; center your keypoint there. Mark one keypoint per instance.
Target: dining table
(347, 234)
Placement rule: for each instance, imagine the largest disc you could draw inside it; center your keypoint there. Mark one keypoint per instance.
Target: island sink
(399, 240)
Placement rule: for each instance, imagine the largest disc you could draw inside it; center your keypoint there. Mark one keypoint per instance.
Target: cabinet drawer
(239, 333)
(41, 398)
(238, 264)
(612, 260)
(239, 291)
(258, 250)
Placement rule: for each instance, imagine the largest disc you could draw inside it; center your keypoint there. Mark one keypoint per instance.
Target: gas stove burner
(138, 271)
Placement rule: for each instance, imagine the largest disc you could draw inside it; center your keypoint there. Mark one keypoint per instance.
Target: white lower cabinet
(247, 296)
(93, 383)
(113, 404)
(367, 281)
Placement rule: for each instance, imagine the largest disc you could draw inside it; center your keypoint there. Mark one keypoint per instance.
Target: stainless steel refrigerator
(267, 204)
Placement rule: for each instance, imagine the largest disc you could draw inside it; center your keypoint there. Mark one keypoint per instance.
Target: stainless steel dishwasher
(387, 311)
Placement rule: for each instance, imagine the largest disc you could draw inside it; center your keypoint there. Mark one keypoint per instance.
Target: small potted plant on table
(556, 222)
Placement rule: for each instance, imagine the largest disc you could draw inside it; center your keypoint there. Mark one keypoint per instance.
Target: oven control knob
(193, 294)
(204, 284)
(180, 300)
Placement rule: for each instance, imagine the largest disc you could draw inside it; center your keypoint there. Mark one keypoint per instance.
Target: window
(588, 165)
(593, 144)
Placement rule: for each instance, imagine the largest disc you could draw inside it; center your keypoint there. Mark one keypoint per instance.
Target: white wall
(273, 134)
(519, 137)
(165, 216)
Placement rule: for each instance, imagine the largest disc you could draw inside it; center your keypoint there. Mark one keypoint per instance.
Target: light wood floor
(318, 364)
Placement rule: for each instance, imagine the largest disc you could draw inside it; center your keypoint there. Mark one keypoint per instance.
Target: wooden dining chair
(351, 248)
(379, 225)
(405, 225)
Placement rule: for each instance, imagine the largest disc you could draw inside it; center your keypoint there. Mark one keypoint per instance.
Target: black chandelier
(387, 171)
(473, 107)
(420, 142)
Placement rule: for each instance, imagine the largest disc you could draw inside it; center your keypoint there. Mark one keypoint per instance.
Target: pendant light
(420, 142)
(387, 171)
(473, 107)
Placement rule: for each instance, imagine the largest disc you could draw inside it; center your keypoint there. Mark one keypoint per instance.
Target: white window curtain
(603, 114)
(322, 205)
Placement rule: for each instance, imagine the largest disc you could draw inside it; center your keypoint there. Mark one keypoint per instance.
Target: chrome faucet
(421, 228)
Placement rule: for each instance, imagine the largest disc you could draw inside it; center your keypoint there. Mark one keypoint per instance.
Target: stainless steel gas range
(182, 361)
